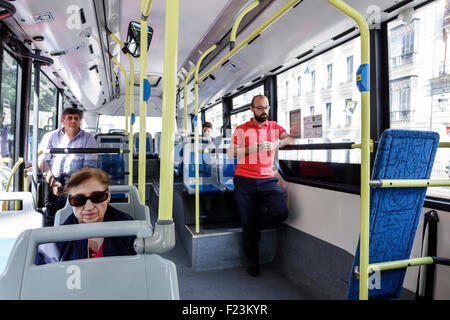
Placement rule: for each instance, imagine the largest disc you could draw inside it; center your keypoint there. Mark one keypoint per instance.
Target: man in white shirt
(58, 168)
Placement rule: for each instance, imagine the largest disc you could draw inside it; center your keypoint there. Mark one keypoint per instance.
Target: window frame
(380, 114)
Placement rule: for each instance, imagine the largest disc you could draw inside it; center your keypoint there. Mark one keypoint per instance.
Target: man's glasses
(80, 200)
(266, 108)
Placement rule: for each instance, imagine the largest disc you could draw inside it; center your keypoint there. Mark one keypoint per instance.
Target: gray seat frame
(137, 277)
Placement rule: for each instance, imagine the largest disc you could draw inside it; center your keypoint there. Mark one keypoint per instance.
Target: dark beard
(261, 118)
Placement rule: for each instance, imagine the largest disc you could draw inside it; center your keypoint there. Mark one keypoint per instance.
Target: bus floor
(234, 283)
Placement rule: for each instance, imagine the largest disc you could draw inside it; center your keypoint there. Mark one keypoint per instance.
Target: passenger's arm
(285, 139)
(49, 177)
(238, 152)
(44, 167)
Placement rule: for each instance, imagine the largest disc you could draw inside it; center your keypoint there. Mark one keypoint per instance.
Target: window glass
(240, 118)
(242, 100)
(7, 117)
(419, 79)
(107, 123)
(48, 109)
(323, 89)
(247, 97)
(215, 116)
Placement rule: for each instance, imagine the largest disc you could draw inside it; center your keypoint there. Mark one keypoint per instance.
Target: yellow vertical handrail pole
(11, 175)
(238, 20)
(197, 193)
(145, 10)
(126, 92)
(365, 148)
(130, 110)
(185, 99)
(168, 110)
(131, 118)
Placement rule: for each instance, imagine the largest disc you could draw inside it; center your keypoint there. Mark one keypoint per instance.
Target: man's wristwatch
(278, 144)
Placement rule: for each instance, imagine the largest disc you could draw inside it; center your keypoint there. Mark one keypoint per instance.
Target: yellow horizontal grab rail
(236, 23)
(408, 183)
(359, 145)
(251, 36)
(444, 145)
(398, 264)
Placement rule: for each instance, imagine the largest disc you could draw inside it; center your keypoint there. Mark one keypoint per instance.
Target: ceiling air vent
(232, 67)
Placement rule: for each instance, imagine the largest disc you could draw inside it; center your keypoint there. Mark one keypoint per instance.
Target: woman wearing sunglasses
(89, 197)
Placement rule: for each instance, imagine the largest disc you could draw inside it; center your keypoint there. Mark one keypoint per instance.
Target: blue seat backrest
(115, 165)
(208, 179)
(148, 144)
(158, 143)
(204, 165)
(226, 166)
(178, 156)
(395, 212)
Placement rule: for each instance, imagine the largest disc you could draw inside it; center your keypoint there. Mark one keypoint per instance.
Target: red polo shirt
(258, 164)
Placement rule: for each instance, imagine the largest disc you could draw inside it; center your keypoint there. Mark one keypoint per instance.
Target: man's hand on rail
(268, 146)
(57, 188)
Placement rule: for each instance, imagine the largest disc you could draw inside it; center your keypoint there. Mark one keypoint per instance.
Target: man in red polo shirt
(254, 143)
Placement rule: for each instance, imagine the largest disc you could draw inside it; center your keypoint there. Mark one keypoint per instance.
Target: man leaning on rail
(254, 143)
(58, 168)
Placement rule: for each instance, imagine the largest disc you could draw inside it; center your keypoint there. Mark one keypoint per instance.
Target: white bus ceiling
(202, 23)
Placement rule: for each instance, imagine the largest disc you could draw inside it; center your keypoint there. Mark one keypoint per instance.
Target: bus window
(48, 109)
(242, 114)
(107, 123)
(419, 80)
(323, 88)
(7, 116)
(214, 115)
(246, 98)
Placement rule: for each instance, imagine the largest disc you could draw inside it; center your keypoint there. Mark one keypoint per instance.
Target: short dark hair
(72, 111)
(257, 96)
(207, 125)
(86, 173)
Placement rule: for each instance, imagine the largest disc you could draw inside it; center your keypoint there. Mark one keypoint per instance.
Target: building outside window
(246, 97)
(7, 117)
(420, 80)
(336, 127)
(350, 69)
(214, 115)
(329, 75)
(328, 115)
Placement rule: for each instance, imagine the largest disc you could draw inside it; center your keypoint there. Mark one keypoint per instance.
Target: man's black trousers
(261, 204)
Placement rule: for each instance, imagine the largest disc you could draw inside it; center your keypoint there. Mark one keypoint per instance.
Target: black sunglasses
(80, 200)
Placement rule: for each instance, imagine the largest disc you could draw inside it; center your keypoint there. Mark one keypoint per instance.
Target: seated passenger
(89, 196)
